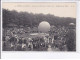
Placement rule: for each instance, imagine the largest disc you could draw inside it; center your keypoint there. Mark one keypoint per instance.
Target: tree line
(31, 20)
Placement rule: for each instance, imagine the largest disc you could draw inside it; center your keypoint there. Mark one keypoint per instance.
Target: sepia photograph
(39, 26)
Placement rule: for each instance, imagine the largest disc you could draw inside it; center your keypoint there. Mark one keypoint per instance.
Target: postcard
(36, 26)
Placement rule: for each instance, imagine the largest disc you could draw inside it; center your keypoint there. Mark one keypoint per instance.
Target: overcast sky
(57, 9)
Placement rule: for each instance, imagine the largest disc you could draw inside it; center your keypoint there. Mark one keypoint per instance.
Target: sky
(57, 9)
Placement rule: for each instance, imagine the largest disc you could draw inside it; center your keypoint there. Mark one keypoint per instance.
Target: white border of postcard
(31, 55)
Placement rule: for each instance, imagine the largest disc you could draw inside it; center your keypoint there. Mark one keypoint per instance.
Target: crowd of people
(19, 39)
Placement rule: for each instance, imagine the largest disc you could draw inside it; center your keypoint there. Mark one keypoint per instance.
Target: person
(49, 48)
(70, 39)
(7, 38)
(23, 44)
(4, 45)
(13, 41)
(20, 44)
(64, 47)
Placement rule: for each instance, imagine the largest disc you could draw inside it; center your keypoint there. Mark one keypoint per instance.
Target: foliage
(31, 20)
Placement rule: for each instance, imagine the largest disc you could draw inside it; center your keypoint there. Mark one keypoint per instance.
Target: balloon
(44, 26)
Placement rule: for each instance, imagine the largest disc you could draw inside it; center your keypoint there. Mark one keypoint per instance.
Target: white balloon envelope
(44, 26)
